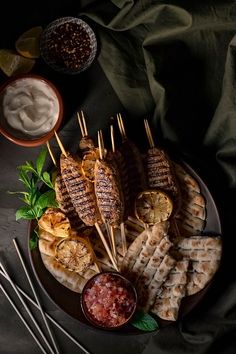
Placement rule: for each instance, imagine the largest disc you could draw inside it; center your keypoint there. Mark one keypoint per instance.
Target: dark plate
(69, 301)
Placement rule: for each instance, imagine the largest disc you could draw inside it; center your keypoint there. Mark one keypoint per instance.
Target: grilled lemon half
(74, 253)
(55, 222)
(153, 206)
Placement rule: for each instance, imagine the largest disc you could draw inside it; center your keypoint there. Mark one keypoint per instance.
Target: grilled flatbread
(147, 263)
(152, 280)
(72, 280)
(70, 260)
(168, 300)
(191, 218)
(142, 249)
(204, 253)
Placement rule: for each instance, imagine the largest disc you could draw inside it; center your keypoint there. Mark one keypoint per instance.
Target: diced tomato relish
(110, 300)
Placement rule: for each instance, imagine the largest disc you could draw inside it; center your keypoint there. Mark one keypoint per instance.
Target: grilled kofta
(81, 190)
(65, 203)
(161, 174)
(108, 193)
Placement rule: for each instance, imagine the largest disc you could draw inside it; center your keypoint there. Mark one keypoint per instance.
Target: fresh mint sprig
(36, 201)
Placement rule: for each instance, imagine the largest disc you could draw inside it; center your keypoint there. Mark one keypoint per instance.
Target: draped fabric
(173, 62)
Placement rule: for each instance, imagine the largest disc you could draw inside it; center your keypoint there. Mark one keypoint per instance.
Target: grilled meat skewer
(108, 193)
(161, 172)
(117, 159)
(65, 203)
(81, 190)
(86, 144)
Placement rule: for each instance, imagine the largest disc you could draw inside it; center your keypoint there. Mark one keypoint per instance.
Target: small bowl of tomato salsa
(108, 300)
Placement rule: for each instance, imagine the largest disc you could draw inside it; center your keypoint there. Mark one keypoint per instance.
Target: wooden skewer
(60, 144)
(81, 125)
(106, 246)
(122, 126)
(109, 230)
(123, 238)
(112, 138)
(100, 145)
(113, 242)
(122, 226)
(149, 134)
(84, 124)
(51, 153)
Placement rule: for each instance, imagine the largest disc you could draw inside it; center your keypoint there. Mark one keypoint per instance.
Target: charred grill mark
(160, 172)
(65, 202)
(80, 190)
(108, 192)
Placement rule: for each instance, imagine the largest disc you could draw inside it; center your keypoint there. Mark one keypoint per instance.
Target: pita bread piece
(204, 253)
(168, 300)
(71, 269)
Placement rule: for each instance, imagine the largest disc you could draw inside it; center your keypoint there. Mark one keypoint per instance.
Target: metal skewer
(27, 309)
(22, 318)
(36, 296)
(48, 316)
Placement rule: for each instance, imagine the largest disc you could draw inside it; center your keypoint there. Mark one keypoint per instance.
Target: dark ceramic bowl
(108, 300)
(68, 45)
(29, 95)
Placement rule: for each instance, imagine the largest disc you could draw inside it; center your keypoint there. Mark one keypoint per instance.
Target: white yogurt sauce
(30, 106)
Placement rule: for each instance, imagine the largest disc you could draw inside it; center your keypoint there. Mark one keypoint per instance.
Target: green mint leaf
(46, 199)
(25, 213)
(34, 195)
(144, 321)
(25, 179)
(33, 242)
(38, 211)
(41, 160)
(46, 178)
(28, 167)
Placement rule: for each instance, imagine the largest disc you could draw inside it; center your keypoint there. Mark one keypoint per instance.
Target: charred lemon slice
(74, 253)
(153, 206)
(55, 222)
(88, 164)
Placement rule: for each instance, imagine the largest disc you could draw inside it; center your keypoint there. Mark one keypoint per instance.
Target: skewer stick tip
(51, 153)
(80, 125)
(60, 144)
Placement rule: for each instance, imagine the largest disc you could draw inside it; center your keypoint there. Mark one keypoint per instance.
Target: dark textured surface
(14, 338)
(91, 92)
(184, 81)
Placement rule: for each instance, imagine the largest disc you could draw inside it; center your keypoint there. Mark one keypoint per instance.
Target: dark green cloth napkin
(174, 62)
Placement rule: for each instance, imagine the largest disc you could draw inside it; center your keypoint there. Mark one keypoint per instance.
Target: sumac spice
(69, 45)
(110, 300)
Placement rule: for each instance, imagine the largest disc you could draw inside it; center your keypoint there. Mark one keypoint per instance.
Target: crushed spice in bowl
(68, 45)
(108, 300)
